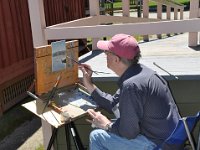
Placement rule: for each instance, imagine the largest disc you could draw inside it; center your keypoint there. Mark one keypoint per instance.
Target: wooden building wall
(63, 10)
(16, 52)
(16, 46)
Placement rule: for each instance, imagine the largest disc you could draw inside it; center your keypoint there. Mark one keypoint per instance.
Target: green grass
(182, 1)
(40, 147)
(118, 3)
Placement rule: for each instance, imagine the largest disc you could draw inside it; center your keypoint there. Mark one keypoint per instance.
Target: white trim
(176, 26)
(37, 19)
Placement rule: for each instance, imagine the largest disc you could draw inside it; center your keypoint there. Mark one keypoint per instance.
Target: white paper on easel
(58, 54)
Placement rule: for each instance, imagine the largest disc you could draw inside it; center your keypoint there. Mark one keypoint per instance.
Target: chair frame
(188, 133)
(188, 126)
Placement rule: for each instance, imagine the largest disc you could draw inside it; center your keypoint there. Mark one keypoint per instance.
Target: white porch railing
(194, 37)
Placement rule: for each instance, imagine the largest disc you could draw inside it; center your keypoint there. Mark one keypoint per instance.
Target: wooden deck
(171, 53)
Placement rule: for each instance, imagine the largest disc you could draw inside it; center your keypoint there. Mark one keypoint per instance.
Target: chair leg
(188, 133)
(198, 144)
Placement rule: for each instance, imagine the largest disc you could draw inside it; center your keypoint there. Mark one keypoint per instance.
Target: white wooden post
(175, 16)
(38, 24)
(193, 36)
(181, 14)
(47, 133)
(168, 15)
(146, 15)
(175, 13)
(168, 12)
(94, 11)
(159, 16)
(94, 7)
(126, 8)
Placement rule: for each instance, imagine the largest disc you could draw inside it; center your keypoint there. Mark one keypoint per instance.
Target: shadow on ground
(16, 126)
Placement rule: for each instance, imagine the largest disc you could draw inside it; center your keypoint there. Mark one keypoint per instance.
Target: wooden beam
(94, 11)
(92, 20)
(126, 8)
(103, 19)
(194, 12)
(179, 26)
(146, 15)
(38, 24)
(120, 19)
(159, 16)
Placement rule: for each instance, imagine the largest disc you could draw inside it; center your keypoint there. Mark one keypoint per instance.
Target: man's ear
(117, 59)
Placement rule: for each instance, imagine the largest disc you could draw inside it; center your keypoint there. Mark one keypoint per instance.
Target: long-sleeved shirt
(146, 105)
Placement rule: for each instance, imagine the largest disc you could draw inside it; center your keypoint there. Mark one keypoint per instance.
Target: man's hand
(98, 120)
(87, 77)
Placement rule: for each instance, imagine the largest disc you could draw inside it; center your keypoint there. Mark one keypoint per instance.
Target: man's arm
(104, 100)
(87, 77)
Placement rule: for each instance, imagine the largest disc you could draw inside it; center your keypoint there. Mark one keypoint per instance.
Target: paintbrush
(96, 72)
(52, 92)
(34, 96)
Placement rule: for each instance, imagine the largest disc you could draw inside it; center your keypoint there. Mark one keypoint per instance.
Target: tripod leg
(52, 138)
(67, 130)
(76, 138)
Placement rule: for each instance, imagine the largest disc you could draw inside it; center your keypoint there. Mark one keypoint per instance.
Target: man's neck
(121, 69)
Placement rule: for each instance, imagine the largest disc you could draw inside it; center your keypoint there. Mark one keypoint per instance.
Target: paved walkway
(26, 137)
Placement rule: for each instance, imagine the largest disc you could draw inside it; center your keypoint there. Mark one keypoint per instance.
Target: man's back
(160, 114)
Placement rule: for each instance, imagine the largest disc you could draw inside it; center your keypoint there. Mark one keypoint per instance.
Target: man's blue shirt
(146, 105)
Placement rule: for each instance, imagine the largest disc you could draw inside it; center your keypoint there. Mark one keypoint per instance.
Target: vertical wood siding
(15, 38)
(16, 52)
(63, 10)
(16, 46)
(15, 32)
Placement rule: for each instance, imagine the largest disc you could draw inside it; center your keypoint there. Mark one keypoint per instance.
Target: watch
(109, 126)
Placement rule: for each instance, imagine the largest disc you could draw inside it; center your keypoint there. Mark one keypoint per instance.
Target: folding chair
(182, 132)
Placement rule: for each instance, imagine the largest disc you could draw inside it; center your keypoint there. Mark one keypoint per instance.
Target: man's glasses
(109, 52)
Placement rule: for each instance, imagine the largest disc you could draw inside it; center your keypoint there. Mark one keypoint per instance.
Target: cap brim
(103, 45)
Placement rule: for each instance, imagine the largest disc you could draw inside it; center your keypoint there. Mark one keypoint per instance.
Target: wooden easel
(45, 80)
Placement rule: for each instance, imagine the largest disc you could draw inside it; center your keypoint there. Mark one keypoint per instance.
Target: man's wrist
(91, 88)
(108, 126)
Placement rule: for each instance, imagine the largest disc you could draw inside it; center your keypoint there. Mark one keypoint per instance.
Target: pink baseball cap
(122, 45)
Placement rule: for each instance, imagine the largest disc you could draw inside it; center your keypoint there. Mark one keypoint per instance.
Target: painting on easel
(58, 54)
